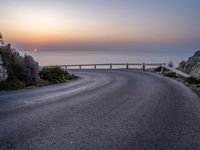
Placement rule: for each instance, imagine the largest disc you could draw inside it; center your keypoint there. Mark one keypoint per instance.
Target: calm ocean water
(85, 57)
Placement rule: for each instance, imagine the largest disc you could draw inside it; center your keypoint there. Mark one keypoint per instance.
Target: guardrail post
(162, 70)
(65, 67)
(80, 67)
(95, 66)
(126, 66)
(143, 66)
(110, 66)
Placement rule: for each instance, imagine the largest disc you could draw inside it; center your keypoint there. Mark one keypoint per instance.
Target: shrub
(158, 69)
(170, 74)
(11, 85)
(53, 74)
(20, 68)
(30, 71)
(13, 63)
(192, 80)
(170, 64)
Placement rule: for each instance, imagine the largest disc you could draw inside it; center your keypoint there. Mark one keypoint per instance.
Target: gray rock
(192, 65)
(181, 65)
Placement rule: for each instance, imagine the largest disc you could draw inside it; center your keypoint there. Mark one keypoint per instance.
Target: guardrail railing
(110, 65)
(126, 66)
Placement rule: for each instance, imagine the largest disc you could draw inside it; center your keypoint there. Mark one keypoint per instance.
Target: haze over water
(86, 57)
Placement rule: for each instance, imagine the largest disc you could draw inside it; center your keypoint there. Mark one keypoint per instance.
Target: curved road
(103, 110)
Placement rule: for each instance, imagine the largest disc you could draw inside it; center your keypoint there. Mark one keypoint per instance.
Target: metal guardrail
(126, 66)
(109, 65)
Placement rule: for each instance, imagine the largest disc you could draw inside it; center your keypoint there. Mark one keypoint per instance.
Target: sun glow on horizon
(35, 50)
(37, 23)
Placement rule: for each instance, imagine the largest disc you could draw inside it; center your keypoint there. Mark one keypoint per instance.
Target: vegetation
(23, 71)
(19, 68)
(170, 74)
(158, 69)
(192, 80)
(170, 64)
(31, 70)
(11, 85)
(55, 74)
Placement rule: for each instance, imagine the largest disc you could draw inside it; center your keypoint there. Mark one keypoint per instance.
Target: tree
(19, 68)
(13, 63)
(30, 71)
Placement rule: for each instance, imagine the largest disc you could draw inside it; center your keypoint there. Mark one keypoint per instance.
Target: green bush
(53, 74)
(192, 80)
(20, 68)
(170, 74)
(30, 70)
(11, 85)
(23, 71)
(158, 69)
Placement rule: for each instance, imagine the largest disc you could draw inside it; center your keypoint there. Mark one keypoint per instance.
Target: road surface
(102, 110)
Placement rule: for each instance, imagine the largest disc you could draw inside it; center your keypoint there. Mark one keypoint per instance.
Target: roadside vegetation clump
(24, 71)
(170, 74)
(171, 64)
(55, 74)
(192, 80)
(11, 85)
(158, 69)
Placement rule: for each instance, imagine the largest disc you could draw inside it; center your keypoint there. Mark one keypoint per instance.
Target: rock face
(3, 74)
(192, 65)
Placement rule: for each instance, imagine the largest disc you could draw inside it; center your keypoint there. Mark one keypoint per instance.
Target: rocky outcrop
(3, 72)
(192, 65)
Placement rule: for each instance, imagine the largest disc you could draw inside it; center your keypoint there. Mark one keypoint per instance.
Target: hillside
(192, 65)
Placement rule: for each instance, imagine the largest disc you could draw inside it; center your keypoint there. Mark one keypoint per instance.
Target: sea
(68, 57)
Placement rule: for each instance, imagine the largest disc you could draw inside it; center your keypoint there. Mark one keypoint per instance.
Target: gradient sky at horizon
(101, 24)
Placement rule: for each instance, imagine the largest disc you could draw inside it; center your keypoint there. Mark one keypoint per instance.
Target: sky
(101, 24)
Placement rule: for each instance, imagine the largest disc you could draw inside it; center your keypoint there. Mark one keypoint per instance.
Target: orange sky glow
(27, 23)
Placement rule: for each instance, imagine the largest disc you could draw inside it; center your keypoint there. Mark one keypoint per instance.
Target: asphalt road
(102, 110)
